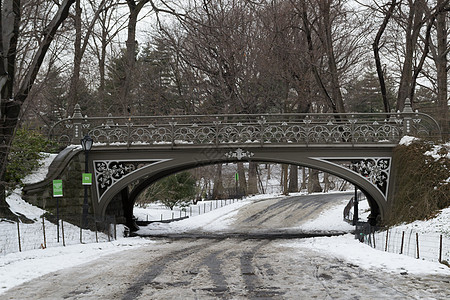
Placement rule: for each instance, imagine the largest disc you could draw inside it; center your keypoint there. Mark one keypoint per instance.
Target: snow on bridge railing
(278, 129)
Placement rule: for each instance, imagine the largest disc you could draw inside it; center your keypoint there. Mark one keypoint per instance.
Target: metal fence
(177, 213)
(41, 233)
(427, 246)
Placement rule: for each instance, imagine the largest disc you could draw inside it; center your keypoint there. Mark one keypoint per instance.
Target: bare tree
(81, 42)
(441, 65)
(414, 24)
(13, 99)
(321, 15)
(376, 51)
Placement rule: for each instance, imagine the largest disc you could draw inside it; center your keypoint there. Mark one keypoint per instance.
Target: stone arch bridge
(130, 153)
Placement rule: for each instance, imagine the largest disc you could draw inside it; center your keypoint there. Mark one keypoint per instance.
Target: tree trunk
(130, 54)
(241, 181)
(326, 181)
(334, 101)
(293, 179)
(74, 83)
(218, 184)
(313, 181)
(79, 50)
(284, 179)
(412, 33)
(441, 66)
(11, 104)
(303, 186)
(332, 65)
(376, 50)
(252, 179)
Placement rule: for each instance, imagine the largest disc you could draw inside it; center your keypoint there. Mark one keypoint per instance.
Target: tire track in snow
(156, 268)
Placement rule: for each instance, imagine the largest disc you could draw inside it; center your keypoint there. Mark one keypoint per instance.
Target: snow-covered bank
(428, 240)
(359, 254)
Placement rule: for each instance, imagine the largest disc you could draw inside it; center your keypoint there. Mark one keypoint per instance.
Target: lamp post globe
(86, 143)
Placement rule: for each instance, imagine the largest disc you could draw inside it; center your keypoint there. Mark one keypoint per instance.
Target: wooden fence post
(115, 228)
(387, 237)
(18, 236)
(96, 231)
(417, 242)
(62, 231)
(403, 239)
(43, 230)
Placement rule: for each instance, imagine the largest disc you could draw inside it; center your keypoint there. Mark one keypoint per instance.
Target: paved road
(229, 268)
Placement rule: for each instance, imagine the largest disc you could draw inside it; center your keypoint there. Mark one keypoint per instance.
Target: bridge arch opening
(150, 175)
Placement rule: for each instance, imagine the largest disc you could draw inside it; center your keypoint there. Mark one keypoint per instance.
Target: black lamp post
(355, 207)
(86, 143)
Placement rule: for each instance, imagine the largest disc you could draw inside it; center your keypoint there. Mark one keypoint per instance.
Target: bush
(27, 150)
(422, 187)
(178, 189)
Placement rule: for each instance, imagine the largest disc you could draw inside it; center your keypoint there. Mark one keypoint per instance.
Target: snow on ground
(41, 172)
(20, 267)
(215, 220)
(16, 268)
(362, 255)
(439, 224)
(331, 218)
(439, 151)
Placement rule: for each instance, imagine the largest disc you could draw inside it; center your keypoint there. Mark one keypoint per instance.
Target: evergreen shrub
(27, 151)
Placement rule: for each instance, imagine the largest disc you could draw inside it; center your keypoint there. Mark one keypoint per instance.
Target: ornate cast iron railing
(265, 129)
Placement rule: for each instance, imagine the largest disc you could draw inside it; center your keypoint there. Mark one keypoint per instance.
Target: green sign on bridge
(57, 188)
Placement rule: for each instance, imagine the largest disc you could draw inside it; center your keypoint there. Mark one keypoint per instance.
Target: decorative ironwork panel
(376, 170)
(108, 172)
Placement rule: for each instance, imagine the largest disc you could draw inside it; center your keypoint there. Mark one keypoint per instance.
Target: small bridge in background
(132, 152)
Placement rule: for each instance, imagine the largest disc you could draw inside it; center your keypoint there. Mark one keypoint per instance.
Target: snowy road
(226, 269)
(233, 268)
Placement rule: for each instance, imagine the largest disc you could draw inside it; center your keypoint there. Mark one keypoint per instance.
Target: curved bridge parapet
(262, 129)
